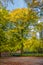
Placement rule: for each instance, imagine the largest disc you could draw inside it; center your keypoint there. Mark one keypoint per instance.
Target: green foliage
(33, 45)
(3, 22)
(14, 30)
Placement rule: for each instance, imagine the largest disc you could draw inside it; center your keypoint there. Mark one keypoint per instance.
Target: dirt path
(21, 61)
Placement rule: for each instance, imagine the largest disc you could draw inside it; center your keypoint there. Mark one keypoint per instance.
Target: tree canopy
(15, 27)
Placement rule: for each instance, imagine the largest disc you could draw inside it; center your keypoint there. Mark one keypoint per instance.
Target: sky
(17, 4)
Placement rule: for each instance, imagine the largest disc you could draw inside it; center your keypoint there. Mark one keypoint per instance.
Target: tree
(3, 22)
(15, 27)
(37, 5)
(22, 19)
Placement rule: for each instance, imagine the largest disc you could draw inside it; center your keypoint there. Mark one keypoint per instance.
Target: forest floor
(21, 61)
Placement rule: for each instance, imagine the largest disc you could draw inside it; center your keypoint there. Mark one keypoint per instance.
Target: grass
(37, 55)
(25, 55)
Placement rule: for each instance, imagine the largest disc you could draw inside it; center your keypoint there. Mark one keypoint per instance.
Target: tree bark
(0, 54)
(21, 48)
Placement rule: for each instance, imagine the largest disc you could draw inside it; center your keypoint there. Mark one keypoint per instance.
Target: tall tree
(3, 22)
(37, 5)
(22, 19)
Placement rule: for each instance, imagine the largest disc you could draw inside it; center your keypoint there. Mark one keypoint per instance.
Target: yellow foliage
(17, 14)
(0, 10)
(23, 14)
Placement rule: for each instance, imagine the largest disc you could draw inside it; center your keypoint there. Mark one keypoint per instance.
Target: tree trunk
(21, 41)
(21, 48)
(0, 54)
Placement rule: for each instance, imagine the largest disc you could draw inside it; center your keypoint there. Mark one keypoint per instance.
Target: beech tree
(22, 19)
(15, 27)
